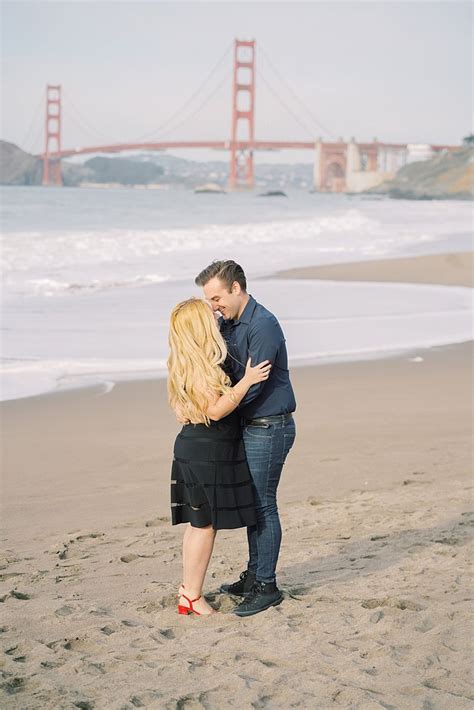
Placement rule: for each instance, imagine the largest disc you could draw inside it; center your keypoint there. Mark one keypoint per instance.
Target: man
(250, 330)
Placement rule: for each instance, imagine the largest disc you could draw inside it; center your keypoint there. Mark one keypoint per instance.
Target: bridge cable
(83, 127)
(36, 114)
(80, 119)
(305, 127)
(36, 142)
(190, 99)
(199, 108)
(295, 95)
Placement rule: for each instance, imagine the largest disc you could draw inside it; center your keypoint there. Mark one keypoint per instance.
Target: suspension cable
(70, 107)
(189, 101)
(285, 105)
(295, 95)
(199, 108)
(36, 114)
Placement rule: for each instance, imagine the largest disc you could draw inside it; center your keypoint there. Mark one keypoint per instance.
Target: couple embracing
(229, 385)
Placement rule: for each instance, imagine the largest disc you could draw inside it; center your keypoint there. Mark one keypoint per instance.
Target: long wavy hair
(197, 350)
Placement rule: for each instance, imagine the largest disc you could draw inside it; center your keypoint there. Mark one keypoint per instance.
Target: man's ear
(236, 288)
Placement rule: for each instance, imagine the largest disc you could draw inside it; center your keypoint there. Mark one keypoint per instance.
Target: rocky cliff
(446, 176)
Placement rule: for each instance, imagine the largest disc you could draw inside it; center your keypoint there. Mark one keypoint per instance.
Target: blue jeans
(266, 448)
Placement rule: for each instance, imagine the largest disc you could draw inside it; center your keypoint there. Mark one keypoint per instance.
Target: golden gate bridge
(338, 166)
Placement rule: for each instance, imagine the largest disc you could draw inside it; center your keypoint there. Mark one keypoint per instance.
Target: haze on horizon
(398, 71)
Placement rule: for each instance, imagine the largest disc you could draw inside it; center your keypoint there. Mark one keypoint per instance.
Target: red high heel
(188, 609)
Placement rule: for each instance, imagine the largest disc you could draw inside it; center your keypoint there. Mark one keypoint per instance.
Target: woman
(211, 486)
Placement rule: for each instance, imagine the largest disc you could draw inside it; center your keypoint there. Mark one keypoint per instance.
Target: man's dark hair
(226, 271)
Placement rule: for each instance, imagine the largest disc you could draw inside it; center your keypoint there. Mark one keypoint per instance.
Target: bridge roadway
(223, 145)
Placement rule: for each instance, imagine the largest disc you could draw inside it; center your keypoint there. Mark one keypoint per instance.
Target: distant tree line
(124, 171)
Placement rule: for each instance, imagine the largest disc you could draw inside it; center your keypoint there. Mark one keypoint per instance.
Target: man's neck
(242, 307)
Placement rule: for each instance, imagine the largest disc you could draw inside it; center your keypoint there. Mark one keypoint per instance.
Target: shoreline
(450, 269)
(136, 411)
(84, 399)
(447, 269)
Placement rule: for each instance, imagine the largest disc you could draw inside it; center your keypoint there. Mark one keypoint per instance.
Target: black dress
(210, 478)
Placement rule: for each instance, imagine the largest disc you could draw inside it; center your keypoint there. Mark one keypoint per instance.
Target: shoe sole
(223, 590)
(257, 611)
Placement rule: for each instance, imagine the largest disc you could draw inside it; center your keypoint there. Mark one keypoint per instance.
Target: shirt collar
(247, 313)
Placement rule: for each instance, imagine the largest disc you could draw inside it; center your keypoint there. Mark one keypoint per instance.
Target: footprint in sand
(78, 643)
(195, 701)
(426, 625)
(146, 699)
(151, 607)
(16, 653)
(402, 604)
(156, 522)
(9, 575)
(89, 535)
(129, 557)
(23, 596)
(167, 602)
(132, 623)
(108, 630)
(167, 633)
(376, 617)
(14, 685)
(449, 540)
(298, 591)
(100, 611)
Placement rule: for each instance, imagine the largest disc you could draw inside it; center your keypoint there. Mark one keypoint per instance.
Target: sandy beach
(376, 508)
(452, 269)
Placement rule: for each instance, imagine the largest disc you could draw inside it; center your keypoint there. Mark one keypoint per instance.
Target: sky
(398, 71)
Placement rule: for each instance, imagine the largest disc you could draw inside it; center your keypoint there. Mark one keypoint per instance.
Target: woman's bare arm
(226, 403)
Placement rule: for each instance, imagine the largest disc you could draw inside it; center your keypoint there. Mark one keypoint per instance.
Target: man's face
(228, 304)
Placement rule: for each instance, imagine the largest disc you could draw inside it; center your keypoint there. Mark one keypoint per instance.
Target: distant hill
(446, 176)
(18, 167)
(123, 171)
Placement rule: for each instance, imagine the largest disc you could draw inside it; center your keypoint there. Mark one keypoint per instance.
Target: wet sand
(452, 269)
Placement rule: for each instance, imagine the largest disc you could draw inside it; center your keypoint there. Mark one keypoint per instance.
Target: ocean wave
(50, 287)
(26, 251)
(26, 377)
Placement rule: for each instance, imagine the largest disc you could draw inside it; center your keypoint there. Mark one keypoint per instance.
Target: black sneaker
(263, 596)
(242, 587)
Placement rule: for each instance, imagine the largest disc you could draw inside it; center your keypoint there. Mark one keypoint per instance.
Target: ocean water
(89, 276)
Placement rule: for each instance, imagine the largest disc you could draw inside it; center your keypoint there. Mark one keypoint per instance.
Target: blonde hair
(197, 349)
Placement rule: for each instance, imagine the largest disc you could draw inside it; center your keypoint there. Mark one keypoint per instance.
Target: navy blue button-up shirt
(258, 334)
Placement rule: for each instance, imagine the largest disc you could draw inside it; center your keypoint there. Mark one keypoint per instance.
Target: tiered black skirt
(210, 478)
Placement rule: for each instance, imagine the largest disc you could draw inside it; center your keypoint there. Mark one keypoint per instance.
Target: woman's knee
(207, 530)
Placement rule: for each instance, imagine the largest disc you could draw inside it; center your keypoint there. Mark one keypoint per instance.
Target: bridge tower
(52, 164)
(243, 115)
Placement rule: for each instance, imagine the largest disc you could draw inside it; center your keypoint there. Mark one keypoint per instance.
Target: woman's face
(217, 315)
